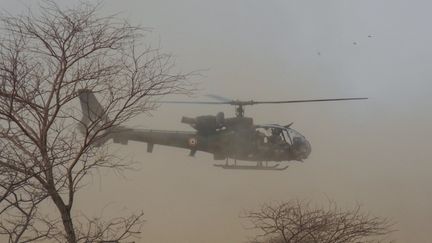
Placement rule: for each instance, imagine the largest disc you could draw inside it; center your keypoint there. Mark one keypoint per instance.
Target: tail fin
(92, 110)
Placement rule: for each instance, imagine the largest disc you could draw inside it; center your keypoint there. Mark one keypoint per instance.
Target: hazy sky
(375, 152)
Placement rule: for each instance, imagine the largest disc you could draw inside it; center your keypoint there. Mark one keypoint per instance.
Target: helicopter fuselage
(236, 138)
(241, 140)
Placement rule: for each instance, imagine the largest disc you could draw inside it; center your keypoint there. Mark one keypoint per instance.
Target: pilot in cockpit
(276, 136)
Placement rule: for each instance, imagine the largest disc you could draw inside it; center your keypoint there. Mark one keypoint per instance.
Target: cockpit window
(279, 134)
(272, 135)
(290, 134)
(287, 136)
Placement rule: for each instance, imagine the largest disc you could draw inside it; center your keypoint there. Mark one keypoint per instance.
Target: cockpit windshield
(298, 147)
(290, 134)
(285, 134)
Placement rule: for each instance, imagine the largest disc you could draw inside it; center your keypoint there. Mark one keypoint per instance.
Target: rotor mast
(239, 111)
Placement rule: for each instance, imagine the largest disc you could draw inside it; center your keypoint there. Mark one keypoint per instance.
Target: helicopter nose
(301, 149)
(308, 149)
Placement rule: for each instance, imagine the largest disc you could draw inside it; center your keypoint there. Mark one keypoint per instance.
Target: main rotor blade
(303, 101)
(220, 98)
(195, 102)
(251, 102)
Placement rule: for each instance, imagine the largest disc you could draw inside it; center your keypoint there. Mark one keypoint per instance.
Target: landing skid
(259, 166)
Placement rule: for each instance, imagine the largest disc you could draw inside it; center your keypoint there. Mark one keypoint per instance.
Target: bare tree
(47, 60)
(299, 222)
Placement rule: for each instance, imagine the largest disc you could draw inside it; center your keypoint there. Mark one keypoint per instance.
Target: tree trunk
(65, 213)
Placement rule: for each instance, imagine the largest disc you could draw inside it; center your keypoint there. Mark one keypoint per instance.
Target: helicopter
(235, 138)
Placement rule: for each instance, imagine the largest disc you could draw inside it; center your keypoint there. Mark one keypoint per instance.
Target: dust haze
(375, 152)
